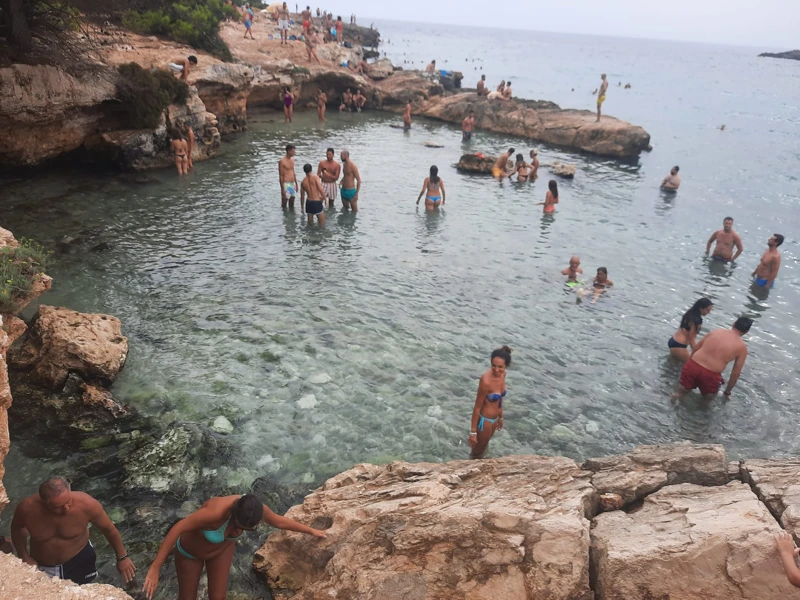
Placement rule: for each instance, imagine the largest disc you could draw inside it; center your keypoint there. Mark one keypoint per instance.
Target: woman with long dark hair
(288, 104)
(487, 416)
(433, 188)
(686, 336)
(551, 198)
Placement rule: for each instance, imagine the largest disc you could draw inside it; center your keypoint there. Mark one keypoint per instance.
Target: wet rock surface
(777, 484)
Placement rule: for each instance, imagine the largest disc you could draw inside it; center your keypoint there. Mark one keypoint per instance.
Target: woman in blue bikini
(207, 538)
(487, 416)
(433, 188)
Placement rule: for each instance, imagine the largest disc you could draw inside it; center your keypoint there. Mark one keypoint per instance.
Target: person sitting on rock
(501, 87)
(207, 539)
(183, 66)
(487, 415)
(507, 92)
(482, 90)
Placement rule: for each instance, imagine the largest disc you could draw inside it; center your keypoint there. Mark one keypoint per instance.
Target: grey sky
(768, 23)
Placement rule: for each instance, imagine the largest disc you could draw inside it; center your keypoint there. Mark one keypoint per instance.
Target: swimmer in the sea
(600, 284)
(534, 164)
(521, 169)
(487, 415)
(686, 336)
(726, 239)
(500, 165)
(672, 181)
(550, 198)
(573, 270)
(407, 116)
(468, 126)
(767, 270)
(433, 188)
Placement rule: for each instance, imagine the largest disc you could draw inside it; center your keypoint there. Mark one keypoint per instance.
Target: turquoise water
(365, 341)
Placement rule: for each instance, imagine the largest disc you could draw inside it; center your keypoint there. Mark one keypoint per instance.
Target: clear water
(365, 341)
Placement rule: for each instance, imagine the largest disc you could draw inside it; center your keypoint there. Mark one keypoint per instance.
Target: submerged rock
(473, 163)
(222, 425)
(563, 170)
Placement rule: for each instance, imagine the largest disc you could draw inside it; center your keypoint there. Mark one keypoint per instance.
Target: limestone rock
(224, 89)
(649, 468)
(777, 483)
(63, 341)
(689, 541)
(563, 170)
(381, 69)
(222, 425)
(512, 527)
(472, 163)
(7, 239)
(405, 86)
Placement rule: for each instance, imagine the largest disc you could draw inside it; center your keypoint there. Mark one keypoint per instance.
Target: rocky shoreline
(790, 54)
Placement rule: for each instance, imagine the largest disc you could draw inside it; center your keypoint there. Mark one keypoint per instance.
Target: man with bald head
(57, 522)
(573, 270)
(351, 182)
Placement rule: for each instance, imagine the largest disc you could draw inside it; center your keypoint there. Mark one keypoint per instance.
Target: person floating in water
(407, 116)
(433, 188)
(672, 181)
(710, 358)
(726, 239)
(767, 270)
(601, 95)
(351, 182)
(600, 284)
(328, 171)
(206, 539)
(180, 149)
(57, 522)
(182, 66)
(487, 416)
(550, 198)
(521, 169)
(287, 177)
(312, 187)
(500, 168)
(686, 336)
(468, 126)
(574, 269)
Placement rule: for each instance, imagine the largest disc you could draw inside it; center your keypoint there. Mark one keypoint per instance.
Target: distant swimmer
(601, 96)
(600, 284)
(767, 269)
(328, 171)
(468, 126)
(521, 169)
(534, 164)
(322, 104)
(351, 182)
(574, 269)
(482, 91)
(487, 415)
(686, 336)
(312, 187)
(431, 68)
(726, 239)
(433, 188)
(550, 198)
(507, 92)
(407, 116)
(710, 358)
(672, 181)
(183, 66)
(180, 150)
(500, 168)
(287, 177)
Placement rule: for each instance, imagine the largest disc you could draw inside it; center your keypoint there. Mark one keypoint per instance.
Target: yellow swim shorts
(600, 100)
(497, 172)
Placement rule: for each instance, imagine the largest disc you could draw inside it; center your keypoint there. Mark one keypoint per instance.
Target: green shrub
(193, 22)
(145, 94)
(18, 268)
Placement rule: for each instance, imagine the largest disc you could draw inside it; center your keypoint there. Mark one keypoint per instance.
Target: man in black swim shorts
(57, 521)
(312, 187)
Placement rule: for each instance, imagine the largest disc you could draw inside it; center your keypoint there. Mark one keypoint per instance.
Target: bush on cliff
(18, 268)
(145, 94)
(193, 22)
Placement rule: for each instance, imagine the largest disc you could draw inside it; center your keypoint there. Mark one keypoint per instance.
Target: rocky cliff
(669, 522)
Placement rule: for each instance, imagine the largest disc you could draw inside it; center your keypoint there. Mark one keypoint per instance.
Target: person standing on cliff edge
(283, 23)
(601, 95)
(57, 521)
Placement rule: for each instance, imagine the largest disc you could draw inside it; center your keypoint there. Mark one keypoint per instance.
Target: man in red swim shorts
(710, 358)
(306, 16)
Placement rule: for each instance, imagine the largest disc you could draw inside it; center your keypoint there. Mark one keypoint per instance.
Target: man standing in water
(283, 23)
(726, 239)
(672, 181)
(601, 94)
(57, 521)
(499, 170)
(351, 182)
(534, 164)
(468, 126)
(407, 116)
(328, 171)
(288, 179)
(312, 187)
(710, 358)
(767, 269)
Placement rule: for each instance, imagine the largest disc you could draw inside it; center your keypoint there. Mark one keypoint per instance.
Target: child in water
(573, 270)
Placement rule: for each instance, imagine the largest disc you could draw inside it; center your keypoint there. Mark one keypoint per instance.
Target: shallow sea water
(364, 342)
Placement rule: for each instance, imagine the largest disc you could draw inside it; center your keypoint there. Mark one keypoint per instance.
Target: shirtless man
(507, 92)
(312, 187)
(534, 164)
(482, 91)
(351, 182)
(347, 100)
(288, 179)
(672, 181)
(574, 269)
(328, 171)
(431, 68)
(710, 358)
(322, 104)
(468, 126)
(726, 239)
(407, 116)
(183, 66)
(180, 149)
(283, 23)
(57, 521)
(601, 94)
(306, 16)
(359, 100)
(767, 269)
(501, 164)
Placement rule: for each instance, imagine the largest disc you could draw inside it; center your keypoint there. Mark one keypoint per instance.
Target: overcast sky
(768, 23)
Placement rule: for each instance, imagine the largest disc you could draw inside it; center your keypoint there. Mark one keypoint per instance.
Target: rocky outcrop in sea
(791, 54)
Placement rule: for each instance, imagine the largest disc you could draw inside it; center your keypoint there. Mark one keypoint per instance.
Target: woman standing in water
(433, 188)
(686, 336)
(207, 538)
(288, 104)
(487, 416)
(551, 198)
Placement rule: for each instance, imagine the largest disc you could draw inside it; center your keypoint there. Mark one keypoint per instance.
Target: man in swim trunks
(359, 100)
(468, 126)
(573, 270)
(183, 66)
(283, 23)
(57, 522)
(249, 16)
(672, 181)
(534, 164)
(710, 358)
(407, 116)
(726, 239)
(499, 170)
(328, 171)
(347, 101)
(306, 16)
(351, 182)
(431, 68)
(339, 31)
(767, 269)
(482, 90)
(288, 179)
(601, 95)
(312, 187)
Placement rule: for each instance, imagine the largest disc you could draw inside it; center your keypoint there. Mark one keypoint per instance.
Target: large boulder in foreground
(689, 541)
(476, 163)
(506, 528)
